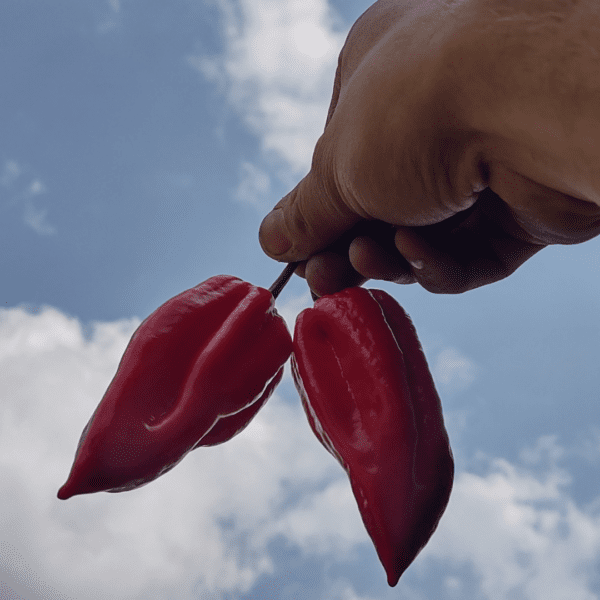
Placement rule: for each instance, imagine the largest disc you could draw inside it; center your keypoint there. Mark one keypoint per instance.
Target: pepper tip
(64, 493)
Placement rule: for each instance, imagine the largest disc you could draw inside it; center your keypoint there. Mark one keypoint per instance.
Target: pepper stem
(280, 282)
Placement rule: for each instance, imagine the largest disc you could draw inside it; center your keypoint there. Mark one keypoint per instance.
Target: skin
(463, 137)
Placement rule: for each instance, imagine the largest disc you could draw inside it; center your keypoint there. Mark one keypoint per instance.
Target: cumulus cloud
(520, 532)
(277, 73)
(164, 539)
(206, 528)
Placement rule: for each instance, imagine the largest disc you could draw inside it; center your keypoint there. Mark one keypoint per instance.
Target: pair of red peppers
(199, 368)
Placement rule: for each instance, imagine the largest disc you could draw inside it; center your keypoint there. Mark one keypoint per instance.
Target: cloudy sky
(141, 144)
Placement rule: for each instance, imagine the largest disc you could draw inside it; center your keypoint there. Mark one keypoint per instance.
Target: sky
(141, 144)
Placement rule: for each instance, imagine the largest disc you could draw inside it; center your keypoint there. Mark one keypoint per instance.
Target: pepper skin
(194, 374)
(227, 427)
(371, 401)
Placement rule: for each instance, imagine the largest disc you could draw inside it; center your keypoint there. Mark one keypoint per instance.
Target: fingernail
(417, 264)
(273, 241)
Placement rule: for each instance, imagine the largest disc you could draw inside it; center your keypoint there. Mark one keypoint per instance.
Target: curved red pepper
(370, 399)
(194, 374)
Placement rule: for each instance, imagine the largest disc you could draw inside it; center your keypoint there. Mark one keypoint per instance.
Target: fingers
(450, 259)
(309, 219)
(365, 252)
(471, 249)
(329, 272)
(373, 261)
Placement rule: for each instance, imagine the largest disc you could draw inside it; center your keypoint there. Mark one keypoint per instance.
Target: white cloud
(254, 185)
(521, 533)
(157, 541)
(310, 40)
(323, 522)
(292, 307)
(453, 371)
(277, 72)
(205, 528)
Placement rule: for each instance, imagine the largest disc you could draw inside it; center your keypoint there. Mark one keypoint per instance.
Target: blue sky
(141, 145)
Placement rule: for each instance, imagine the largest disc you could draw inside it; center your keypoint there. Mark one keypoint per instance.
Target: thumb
(309, 219)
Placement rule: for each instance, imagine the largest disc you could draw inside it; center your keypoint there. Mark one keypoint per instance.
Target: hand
(448, 157)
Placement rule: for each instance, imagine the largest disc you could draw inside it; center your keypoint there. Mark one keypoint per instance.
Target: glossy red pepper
(371, 401)
(195, 373)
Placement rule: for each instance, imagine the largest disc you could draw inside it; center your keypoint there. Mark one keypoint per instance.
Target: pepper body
(371, 401)
(199, 367)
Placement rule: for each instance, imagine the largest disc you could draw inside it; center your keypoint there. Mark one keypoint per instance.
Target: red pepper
(371, 401)
(195, 373)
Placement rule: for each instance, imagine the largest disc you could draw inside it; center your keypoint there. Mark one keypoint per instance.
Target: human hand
(444, 161)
